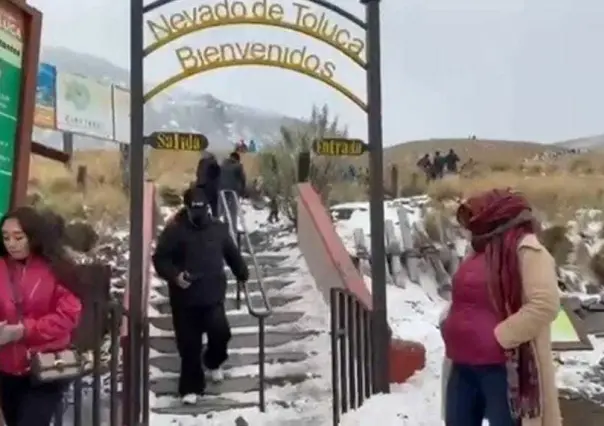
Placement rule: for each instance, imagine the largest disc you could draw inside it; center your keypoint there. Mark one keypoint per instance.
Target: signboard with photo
(84, 106)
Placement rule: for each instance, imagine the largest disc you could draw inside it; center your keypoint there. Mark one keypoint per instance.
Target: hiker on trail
(425, 165)
(451, 160)
(241, 147)
(39, 311)
(208, 178)
(438, 166)
(252, 146)
(190, 256)
(233, 181)
(273, 208)
(504, 299)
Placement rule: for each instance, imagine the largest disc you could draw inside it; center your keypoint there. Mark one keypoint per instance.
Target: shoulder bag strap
(17, 300)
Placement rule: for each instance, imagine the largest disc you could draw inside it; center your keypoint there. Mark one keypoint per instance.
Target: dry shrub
(433, 224)
(170, 197)
(412, 184)
(559, 196)
(342, 192)
(554, 239)
(597, 265)
(54, 186)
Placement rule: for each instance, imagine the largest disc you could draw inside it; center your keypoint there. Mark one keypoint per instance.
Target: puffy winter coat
(472, 317)
(50, 312)
(232, 176)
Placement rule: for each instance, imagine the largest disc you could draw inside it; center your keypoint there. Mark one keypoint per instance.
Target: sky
(527, 70)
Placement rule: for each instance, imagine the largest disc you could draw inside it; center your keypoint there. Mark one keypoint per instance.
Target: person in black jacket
(451, 160)
(189, 256)
(208, 178)
(233, 181)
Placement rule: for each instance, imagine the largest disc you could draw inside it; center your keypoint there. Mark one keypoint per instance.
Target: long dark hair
(45, 241)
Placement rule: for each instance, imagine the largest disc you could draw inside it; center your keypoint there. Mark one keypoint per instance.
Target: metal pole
(376, 188)
(136, 211)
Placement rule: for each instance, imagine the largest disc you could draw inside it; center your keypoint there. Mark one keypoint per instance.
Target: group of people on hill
(242, 147)
(439, 165)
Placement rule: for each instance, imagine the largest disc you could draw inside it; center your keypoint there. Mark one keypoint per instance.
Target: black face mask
(199, 213)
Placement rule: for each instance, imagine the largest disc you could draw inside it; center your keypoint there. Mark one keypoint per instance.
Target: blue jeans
(475, 393)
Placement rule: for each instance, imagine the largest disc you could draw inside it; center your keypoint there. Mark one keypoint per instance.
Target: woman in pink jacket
(38, 313)
(497, 331)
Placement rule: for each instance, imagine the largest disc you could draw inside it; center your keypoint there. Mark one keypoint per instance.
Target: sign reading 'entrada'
(339, 147)
(301, 18)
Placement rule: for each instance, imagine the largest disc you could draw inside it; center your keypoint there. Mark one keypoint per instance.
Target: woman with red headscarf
(497, 331)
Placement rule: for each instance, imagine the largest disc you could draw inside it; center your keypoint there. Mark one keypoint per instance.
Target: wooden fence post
(68, 147)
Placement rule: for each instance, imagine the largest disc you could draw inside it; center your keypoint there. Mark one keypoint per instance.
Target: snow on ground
(414, 316)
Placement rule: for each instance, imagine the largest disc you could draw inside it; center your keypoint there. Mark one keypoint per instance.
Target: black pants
(213, 201)
(475, 393)
(25, 403)
(190, 322)
(273, 216)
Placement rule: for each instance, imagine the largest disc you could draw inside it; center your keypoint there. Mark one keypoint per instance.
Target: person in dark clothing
(273, 206)
(189, 256)
(438, 166)
(425, 165)
(233, 182)
(208, 178)
(451, 160)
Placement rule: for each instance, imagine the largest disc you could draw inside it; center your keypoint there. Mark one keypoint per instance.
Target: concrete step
(265, 272)
(163, 305)
(265, 259)
(237, 320)
(171, 363)
(167, 344)
(209, 404)
(241, 384)
(270, 284)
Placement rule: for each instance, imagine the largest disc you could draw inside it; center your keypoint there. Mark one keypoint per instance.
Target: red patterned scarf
(498, 220)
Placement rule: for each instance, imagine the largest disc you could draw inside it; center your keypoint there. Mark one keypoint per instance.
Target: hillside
(223, 123)
(484, 151)
(591, 142)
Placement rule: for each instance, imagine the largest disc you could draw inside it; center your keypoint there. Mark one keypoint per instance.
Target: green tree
(279, 164)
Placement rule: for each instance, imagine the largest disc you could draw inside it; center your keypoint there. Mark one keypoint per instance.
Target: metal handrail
(267, 309)
(262, 313)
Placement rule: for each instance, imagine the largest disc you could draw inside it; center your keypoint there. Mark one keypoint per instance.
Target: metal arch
(252, 21)
(323, 3)
(253, 62)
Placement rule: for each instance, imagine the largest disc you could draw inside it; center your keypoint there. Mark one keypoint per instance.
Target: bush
(81, 236)
(169, 196)
(278, 165)
(554, 239)
(597, 266)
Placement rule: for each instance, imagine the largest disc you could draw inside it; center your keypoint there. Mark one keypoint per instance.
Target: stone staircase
(242, 383)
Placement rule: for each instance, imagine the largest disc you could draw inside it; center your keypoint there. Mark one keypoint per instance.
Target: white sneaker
(189, 399)
(216, 376)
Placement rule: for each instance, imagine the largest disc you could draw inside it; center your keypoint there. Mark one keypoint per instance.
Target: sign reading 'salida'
(339, 147)
(302, 18)
(177, 141)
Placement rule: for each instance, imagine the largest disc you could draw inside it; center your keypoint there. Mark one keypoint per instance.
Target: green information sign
(11, 63)
(568, 331)
(562, 329)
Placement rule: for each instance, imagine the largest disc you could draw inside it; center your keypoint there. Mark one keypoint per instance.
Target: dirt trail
(581, 412)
